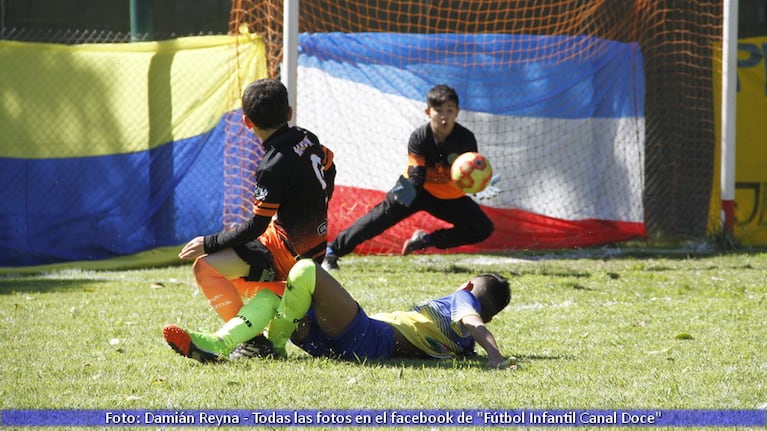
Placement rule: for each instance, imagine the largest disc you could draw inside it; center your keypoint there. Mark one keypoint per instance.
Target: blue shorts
(365, 338)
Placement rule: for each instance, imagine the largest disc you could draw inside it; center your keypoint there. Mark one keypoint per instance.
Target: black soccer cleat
(330, 262)
(257, 347)
(416, 242)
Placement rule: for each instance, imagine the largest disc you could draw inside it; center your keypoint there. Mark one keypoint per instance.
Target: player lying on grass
(331, 323)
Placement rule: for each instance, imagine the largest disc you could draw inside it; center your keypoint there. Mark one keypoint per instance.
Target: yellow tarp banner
(119, 98)
(751, 145)
(111, 150)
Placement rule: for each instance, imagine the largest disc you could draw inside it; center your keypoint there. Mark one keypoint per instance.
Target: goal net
(596, 115)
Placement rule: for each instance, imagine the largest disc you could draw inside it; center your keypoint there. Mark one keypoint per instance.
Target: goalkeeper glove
(490, 191)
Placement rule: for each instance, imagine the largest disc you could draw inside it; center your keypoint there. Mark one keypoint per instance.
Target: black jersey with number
(294, 183)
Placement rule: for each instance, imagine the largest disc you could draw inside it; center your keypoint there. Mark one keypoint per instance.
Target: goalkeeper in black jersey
(294, 183)
(425, 186)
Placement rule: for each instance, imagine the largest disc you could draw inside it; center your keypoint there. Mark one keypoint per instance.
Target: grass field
(603, 330)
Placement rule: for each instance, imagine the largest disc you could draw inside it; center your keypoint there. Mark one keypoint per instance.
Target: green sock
(250, 320)
(279, 332)
(298, 291)
(294, 304)
(210, 343)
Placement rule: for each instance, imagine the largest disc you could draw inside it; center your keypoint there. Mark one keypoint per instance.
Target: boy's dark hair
(441, 94)
(493, 293)
(265, 103)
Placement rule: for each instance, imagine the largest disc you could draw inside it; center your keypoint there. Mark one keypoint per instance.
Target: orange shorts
(248, 289)
(282, 259)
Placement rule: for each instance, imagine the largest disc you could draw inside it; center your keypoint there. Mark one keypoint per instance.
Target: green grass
(597, 331)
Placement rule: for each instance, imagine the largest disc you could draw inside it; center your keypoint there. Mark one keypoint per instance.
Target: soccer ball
(471, 172)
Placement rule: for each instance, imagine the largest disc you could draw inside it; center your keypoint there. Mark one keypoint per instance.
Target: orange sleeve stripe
(266, 205)
(264, 212)
(416, 160)
(265, 209)
(328, 158)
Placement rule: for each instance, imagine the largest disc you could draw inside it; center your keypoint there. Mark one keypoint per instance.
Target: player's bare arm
(485, 338)
(193, 249)
(242, 234)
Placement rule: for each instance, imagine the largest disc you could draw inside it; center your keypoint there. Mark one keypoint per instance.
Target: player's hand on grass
(193, 249)
(502, 363)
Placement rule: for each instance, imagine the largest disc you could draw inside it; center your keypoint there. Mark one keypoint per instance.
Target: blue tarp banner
(114, 149)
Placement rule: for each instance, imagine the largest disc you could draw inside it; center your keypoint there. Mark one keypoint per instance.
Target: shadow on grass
(617, 252)
(520, 261)
(19, 285)
(466, 362)
(549, 272)
(448, 364)
(604, 252)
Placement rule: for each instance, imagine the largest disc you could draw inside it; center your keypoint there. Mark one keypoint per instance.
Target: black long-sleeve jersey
(429, 161)
(294, 183)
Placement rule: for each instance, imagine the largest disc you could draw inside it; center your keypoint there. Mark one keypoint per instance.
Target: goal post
(289, 68)
(729, 91)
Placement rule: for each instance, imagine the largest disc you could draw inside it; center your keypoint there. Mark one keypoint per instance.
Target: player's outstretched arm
(485, 338)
